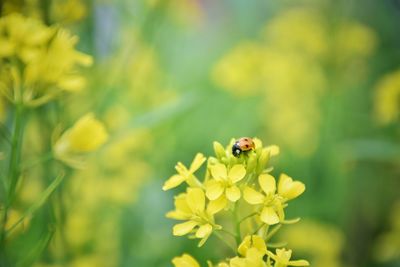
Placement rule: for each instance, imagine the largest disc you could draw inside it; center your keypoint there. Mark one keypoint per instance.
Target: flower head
(185, 261)
(223, 185)
(282, 258)
(252, 241)
(185, 174)
(191, 207)
(87, 135)
(272, 201)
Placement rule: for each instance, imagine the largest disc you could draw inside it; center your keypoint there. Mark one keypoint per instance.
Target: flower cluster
(37, 62)
(244, 187)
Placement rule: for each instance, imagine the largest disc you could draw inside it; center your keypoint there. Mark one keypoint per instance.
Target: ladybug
(243, 144)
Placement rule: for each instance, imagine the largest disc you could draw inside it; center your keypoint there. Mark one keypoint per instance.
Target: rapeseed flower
(185, 174)
(272, 201)
(87, 135)
(282, 258)
(38, 62)
(224, 182)
(185, 261)
(191, 207)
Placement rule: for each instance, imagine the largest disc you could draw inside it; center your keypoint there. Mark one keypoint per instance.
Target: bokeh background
(321, 79)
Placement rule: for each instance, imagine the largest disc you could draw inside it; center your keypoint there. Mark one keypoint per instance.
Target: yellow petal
(183, 228)
(252, 196)
(273, 150)
(237, 173)
(218, 171)
(215, 206)
(269, 216)
(173, 181)
(288, 188)
(199, 159)
(196, 200)
(267, 183)
(233, 193)
(204, 230)
(181, 203)
(185, 261)
(252, 241)
(214, 189)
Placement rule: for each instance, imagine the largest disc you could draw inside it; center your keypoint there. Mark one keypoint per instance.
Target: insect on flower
(243, 144)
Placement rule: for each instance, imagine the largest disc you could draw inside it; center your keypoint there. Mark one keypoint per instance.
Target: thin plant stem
(225, 241)
(247, 217)
(273, 231)
(13, 171)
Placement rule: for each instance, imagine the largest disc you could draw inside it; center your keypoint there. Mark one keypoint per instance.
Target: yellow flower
(253, 258)
(88, 134)
(185, 261)
(191, 207)
(272, 211)
(387, 93)
(184, 174)
(223, 186)
(289, 189)
(47, 60)
(282, 259)
(252, 241)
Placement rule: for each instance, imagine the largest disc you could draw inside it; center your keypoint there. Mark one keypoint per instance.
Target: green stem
(225, 241)
(237, 225)
(13, 171)
(46, 157)
(273, 231)
(248, 216)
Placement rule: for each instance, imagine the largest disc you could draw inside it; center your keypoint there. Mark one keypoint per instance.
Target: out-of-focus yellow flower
(224, 182)
(68, 11)
(185, 261)
(323, 242)
(299, 30)
(282, 258)
(13, 217)
(185, 174)
(387, 99)
(387, 247)
(252, 241)
(87, 135)
(191, 207)
(47, 57)
(272, 211)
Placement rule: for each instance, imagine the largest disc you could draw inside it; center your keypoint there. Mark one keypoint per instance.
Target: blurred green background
(321, 79)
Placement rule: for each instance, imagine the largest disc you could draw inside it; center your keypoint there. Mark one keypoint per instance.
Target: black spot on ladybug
(247, 145)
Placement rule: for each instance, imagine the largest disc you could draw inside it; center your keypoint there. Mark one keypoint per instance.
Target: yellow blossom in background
(191, 207)
(68, 11)
(387, 245)
(287, 67)
(87, 135)
(282, 258)
(185, 174)
(185, 261)
(323, 242)
(387, 99)
(48, 61)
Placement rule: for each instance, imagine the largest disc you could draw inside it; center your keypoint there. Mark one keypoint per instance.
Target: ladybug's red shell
(245, 143)
(241, 145)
